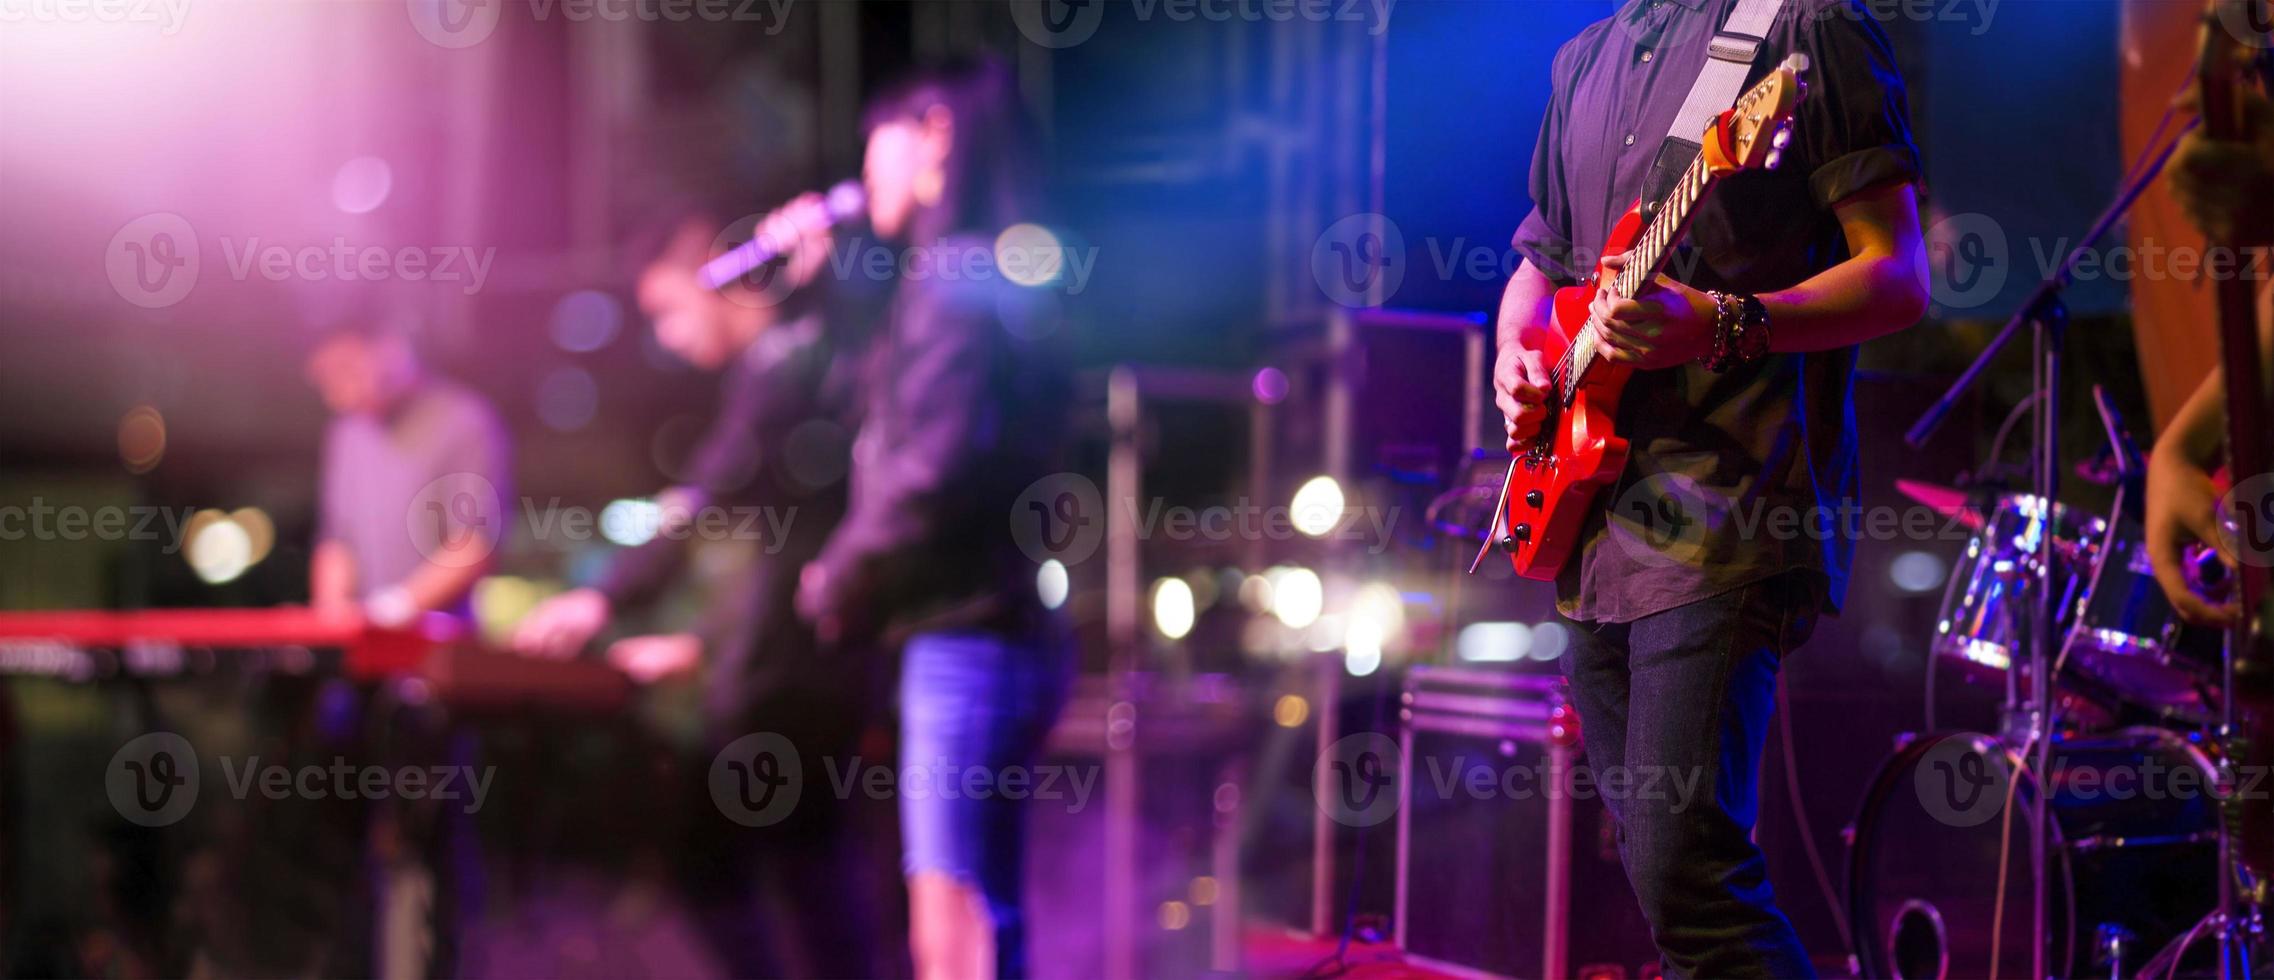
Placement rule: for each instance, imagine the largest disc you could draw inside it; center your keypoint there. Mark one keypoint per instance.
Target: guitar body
(1552, 492)
(1556, 480)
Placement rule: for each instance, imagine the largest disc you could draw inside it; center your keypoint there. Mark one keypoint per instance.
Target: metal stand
(2047, 320)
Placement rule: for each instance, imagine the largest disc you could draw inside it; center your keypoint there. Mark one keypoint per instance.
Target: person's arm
(1528, 343)
(2183, 496)
(2182, 504)
(331, 578)
(466, 552)
(1879, 289)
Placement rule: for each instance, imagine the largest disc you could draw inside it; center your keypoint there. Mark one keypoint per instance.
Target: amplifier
(1502, 869)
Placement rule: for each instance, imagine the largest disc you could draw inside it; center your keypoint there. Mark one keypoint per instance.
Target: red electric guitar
(1552, 484)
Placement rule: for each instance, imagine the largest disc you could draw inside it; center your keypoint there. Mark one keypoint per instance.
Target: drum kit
(1941, 876)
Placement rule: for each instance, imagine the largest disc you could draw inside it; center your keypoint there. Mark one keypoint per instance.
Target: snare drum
(2127, 650)
(2128, 644)
(1988, 606)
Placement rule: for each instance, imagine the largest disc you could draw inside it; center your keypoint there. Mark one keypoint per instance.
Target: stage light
(1381, 605)
(585, 321)
(1318, 506)
(1204, 891)
(219, 550)
(1362, 655)
(362, 184)
(1269, 386)
(567, 399)
(1255, 594)
(1297, 596)
(1030, 255)
(1549, 640)
(630, 523)
(1052, 583)
(1172, 608)
(1917, 572)
(1493, 642)
(141, 439)
(260, 532)
(1291, 711)
(1175, 915)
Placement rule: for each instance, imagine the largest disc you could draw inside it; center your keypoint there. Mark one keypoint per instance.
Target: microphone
(843, 202)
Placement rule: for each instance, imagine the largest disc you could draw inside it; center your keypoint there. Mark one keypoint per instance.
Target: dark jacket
(966, 397)
(780, 445)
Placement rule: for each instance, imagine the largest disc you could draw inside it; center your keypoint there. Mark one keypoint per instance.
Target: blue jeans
(1678, 699)
(968, 701)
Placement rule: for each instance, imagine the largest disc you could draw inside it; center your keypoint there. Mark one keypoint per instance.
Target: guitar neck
(1646, 259)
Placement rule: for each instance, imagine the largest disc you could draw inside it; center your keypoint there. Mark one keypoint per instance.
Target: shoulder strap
(1729, 59)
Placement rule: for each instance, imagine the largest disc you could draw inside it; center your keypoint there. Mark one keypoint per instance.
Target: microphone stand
(2046, 317)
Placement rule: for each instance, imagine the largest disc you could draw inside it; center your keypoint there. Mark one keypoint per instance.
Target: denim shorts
(972, 701)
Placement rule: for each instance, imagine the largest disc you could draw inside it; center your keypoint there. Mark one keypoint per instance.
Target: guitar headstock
(1753, 134)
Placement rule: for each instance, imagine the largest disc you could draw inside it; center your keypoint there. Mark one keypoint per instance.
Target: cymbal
(1945, 500)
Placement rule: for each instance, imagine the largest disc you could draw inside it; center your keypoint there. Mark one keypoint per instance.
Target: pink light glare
(362, 184)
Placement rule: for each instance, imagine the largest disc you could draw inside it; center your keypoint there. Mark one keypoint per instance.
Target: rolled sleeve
(1856, 117)
(1542, 245)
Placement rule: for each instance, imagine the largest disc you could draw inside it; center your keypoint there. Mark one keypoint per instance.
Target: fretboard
(1644, 261)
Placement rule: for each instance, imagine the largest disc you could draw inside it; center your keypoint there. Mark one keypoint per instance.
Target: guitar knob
(1533, 499)
(1523, 532)
(1508, 544)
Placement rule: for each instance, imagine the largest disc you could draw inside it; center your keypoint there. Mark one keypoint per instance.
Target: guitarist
(2227, 190)
(1678, 617)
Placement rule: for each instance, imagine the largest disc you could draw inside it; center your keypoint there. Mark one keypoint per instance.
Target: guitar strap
(1729, 60)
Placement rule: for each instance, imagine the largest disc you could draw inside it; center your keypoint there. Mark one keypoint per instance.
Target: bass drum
(2133, 855)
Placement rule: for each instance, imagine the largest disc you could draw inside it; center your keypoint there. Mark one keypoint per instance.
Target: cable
(1800, 817)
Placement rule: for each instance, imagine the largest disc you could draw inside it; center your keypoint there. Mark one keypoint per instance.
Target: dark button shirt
(1715, 457)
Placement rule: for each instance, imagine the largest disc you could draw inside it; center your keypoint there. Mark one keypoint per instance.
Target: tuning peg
(1775, 157)
(1783, 138)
